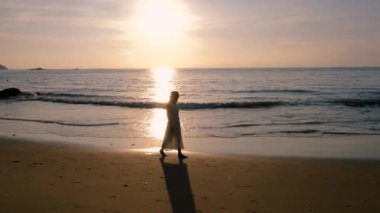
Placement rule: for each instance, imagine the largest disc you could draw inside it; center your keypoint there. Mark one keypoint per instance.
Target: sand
(36, 177)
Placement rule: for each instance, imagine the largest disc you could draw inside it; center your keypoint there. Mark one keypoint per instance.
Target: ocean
(214, 103)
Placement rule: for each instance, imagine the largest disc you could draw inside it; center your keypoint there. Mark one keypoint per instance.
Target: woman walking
(173, 136)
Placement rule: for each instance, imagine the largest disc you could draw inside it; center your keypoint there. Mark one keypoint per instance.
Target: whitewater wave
(276, 91)
(245, 125)
(152, 105)
(58, 122)
(319, 132)
(358, 102)
(70, 98)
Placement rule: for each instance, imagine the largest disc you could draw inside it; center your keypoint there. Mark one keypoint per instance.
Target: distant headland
(2, 67)
(38, 68)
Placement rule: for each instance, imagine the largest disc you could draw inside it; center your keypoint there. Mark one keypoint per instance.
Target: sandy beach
(276, 104)
(56, 177)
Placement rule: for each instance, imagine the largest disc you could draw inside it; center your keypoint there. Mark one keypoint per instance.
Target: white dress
(173, 136)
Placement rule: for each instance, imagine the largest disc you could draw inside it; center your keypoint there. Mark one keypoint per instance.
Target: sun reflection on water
(162, 83)
(162, 86)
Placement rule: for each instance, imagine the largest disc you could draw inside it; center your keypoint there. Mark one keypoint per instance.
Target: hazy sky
(192, 33)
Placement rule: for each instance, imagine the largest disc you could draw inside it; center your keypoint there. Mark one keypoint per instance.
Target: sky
(189, 33)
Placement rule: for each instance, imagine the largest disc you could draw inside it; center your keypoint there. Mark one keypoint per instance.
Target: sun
(161, 33)
(162, 19)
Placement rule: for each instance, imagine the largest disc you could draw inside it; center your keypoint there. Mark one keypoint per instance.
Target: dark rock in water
(9, 92)
(38, 68)
(2, 67)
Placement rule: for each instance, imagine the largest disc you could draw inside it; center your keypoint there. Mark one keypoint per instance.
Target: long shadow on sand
(178, 186)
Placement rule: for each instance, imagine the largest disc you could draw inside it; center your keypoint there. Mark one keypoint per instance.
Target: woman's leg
(180, 155)
(162, 152)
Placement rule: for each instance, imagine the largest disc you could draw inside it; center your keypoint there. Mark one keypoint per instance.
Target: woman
(173, 137)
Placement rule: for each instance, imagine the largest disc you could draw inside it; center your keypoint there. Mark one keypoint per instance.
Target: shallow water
(214, 102)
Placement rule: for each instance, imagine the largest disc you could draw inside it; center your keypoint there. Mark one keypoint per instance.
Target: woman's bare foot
(162, 153)
(180, 155)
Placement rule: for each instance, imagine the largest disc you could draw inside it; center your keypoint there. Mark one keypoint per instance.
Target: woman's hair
(174, 93)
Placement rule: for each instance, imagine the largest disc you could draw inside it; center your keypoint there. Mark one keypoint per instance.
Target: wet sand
(37, 177)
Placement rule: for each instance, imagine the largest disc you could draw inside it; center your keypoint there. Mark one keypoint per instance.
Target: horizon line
(186, 68)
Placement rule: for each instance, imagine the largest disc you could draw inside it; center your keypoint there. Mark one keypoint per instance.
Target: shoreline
(57, 177)
(338, 147)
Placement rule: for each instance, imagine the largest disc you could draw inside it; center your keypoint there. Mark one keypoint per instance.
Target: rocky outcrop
(38, 68)
(9, 92)
(2, 67)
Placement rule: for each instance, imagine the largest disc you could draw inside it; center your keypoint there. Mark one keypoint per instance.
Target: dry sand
(38, 177)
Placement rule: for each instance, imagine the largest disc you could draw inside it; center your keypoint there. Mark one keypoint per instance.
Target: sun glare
(162, 83)
(162, 19)
(162, 86)
(157, 124)
(160, 32)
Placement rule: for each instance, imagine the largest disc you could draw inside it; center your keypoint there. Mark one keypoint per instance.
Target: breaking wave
(358, 102)
(69, 98)
(58, 122)
(276, 91)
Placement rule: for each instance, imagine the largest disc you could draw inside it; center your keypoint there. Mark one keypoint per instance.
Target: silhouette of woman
(173, 136)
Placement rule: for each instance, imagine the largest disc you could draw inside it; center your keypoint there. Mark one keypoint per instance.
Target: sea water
(228, 103)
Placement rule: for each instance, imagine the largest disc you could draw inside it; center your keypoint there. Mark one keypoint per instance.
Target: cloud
(245, 32)
(84, 13)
